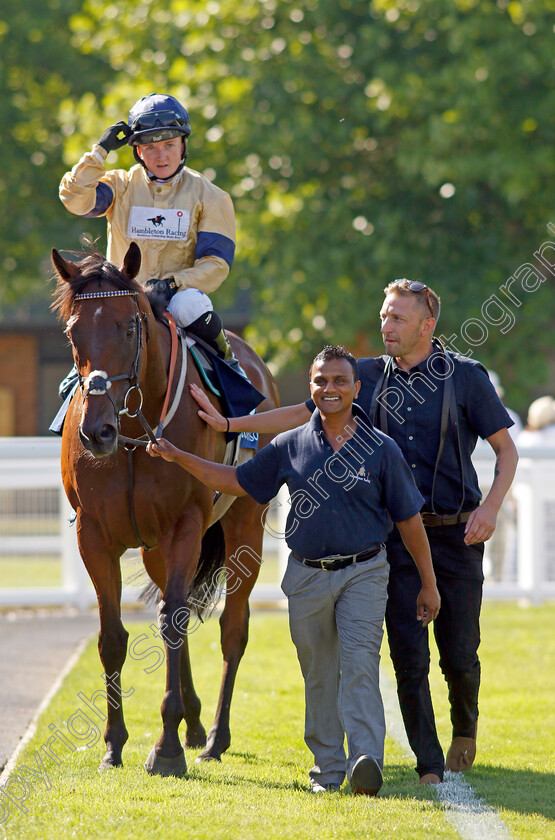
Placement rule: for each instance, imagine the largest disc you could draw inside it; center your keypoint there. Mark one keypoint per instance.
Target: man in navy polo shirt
(345, 479)
(434, 404)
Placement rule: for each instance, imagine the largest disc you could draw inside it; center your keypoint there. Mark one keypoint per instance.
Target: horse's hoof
(109, 762)
(208, 755)
(195, 737)
(157, 765)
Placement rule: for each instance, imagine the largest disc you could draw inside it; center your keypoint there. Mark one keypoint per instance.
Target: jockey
(183, 224)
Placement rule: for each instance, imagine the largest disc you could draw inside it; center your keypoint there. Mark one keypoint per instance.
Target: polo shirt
(415, 422)
(340, 501)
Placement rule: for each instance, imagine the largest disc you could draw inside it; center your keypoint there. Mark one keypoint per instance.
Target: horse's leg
(105, 573)
(181, 550)
(243, 537)
(196, 733)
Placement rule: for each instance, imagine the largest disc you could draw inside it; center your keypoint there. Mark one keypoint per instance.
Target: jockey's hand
(111, 139)
(159, 293)
(208, 413)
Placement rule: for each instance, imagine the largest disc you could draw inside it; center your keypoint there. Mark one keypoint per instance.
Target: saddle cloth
(237, 394)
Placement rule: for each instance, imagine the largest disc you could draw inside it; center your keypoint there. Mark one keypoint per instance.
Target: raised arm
(482, 521)
(272, 422)
(216, 476)
(415, 539)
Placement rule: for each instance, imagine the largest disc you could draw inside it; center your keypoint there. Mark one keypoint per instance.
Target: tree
(360, 142)
(38, 69)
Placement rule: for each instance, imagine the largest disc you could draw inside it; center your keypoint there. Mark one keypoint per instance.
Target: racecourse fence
(40, 563)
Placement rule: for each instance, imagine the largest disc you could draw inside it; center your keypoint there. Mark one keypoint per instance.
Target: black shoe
(366, 776)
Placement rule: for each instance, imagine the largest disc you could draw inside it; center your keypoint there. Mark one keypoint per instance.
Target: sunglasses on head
(416, 286)
(158, 119)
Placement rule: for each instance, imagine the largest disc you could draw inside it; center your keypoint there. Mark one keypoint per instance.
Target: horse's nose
(108, 434)
(101, 441)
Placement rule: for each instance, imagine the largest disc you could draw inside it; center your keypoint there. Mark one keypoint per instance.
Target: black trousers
(459, 575)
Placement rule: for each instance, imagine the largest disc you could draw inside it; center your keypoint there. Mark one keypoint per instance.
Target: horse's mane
(93, 268)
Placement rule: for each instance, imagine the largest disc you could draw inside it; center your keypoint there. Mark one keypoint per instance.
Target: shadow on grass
(524, 791)
(400, 782)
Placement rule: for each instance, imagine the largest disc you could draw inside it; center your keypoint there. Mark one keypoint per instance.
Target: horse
(126, 499)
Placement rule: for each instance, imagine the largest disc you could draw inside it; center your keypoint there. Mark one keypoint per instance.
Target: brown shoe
(462, 753)
(430, 779)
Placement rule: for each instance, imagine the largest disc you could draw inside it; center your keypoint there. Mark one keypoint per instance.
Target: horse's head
(99, 304)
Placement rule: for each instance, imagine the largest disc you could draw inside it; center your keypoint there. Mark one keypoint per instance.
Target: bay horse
(126, 499)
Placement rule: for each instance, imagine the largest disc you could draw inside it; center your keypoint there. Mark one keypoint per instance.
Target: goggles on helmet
(158, 119)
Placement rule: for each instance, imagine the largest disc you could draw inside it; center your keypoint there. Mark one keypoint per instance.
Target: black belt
(331, 564)
(431, 520)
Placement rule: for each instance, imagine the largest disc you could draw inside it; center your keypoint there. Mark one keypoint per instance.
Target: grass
(21, 571)
(18, 570)
(515, 770)
(260, 790)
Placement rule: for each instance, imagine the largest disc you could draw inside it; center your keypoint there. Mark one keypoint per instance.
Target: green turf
(260, 790)
(21, 571)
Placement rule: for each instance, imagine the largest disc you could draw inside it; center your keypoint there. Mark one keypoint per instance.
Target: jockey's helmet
(158, 117)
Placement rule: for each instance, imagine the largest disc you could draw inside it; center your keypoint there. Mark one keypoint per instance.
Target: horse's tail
(208, 581)
(150, 593)
(210, 577)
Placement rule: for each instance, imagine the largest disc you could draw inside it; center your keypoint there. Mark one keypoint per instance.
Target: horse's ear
(65, 269)
(131, 261)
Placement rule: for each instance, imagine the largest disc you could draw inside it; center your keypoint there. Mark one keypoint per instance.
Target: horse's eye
(131, 328)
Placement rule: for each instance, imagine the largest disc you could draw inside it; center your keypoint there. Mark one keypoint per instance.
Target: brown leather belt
(331, 564)
(431, 520)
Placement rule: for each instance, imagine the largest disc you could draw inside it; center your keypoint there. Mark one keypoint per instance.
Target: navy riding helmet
(157, 117)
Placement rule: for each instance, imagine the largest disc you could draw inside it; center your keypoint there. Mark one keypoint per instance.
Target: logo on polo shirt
(363, 475)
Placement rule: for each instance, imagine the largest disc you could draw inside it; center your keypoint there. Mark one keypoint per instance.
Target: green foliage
(360, 142)
(38, 69)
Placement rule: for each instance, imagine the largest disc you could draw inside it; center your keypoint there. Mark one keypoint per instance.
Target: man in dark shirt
(434, 404)
(344, 479)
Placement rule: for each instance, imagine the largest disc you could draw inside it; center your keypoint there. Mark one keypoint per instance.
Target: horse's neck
(155, 379)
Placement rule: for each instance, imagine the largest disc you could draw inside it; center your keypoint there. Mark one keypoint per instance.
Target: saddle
(236, 393)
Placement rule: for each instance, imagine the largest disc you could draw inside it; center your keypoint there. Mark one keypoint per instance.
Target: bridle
(98, 383)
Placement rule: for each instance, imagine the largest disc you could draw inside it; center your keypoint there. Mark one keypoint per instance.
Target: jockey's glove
(111, 140)
(160, 292)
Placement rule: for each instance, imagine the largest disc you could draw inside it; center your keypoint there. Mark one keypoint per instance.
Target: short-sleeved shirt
(415, 424)
(340, 501)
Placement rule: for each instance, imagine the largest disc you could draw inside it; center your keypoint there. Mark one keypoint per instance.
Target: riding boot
(225, 350)
(209, 328)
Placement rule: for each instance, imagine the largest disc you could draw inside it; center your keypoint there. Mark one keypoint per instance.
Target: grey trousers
(336, 621)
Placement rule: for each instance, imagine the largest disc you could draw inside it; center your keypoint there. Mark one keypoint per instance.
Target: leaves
(359, 141)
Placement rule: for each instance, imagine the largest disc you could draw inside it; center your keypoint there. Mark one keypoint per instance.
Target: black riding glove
(160, 292)
(111, 141)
